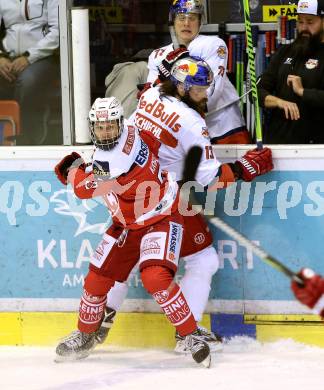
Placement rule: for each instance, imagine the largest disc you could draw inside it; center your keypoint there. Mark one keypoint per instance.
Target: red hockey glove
(311, 292)
(62, 168)
(166, 64)
(254, 163)
(142, 88)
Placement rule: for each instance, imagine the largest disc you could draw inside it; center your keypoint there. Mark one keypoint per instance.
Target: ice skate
(102, 332)
(75, 346)
(213, 340)
(199, 349)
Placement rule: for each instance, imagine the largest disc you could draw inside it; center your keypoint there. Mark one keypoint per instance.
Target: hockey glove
(254, 163)
(166, 64)
(62, 168)
(311, 293)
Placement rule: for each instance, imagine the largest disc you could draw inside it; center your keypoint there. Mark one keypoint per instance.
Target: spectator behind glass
(293, 85)
(122, 82)
(28, 66)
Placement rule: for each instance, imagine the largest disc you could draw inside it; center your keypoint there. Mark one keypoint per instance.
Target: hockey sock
(116, 295)
(195, 284)
(91, 311)
(93, 301)
(158, 281)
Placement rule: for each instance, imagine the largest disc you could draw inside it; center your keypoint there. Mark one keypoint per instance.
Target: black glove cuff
(237, 170)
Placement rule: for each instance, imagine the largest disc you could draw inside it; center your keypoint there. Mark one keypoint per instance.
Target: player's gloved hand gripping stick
(190, 168)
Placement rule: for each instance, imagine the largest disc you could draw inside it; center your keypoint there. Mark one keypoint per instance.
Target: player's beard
(200, 107)
(306, 44)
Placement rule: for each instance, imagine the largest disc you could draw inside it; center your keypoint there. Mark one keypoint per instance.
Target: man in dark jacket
(293, 85)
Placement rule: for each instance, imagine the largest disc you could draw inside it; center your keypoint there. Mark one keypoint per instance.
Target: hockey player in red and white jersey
(147, 228)
(227, 125)
(169, 115)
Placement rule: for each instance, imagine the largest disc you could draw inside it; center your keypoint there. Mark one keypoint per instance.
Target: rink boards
(47, 236)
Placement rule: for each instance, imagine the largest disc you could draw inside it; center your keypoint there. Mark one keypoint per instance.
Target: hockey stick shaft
(174, 38)
(261, 253)
(251, 61)
(190, 168)
(231, 103)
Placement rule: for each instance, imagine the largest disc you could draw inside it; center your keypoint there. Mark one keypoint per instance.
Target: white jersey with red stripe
(141, 194)
(178, 127)
(213, 50)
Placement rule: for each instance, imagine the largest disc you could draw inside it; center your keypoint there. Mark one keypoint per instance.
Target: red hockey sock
(158, 281)
(91, 311)
(93, 301)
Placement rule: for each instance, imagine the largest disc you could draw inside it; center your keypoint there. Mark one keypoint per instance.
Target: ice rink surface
(244, 364)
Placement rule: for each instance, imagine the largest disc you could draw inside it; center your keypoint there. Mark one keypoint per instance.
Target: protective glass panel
(30, 90)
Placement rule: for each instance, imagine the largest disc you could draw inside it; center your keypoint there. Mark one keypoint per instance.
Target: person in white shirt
(28, 67)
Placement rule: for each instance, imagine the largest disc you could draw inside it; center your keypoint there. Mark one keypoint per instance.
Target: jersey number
(158, 53)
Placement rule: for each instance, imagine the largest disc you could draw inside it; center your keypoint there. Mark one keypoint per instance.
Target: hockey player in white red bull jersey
(185, 17)
(147, 228)
(169, 115)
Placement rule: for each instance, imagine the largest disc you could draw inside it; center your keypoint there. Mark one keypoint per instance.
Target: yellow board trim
(269, 318)
(148, 330)
(307, 329)
(139, 330)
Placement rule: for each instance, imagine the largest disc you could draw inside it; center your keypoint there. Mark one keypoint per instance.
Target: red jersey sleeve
(85, 185)
(152, 142)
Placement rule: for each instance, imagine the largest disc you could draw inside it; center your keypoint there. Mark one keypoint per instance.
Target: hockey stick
(190, 168)
(231, 103)
(251, 61)
(174, 38)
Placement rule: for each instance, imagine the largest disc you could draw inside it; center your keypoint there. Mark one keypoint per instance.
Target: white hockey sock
(195, 284)
(196, 290)
(116, 295)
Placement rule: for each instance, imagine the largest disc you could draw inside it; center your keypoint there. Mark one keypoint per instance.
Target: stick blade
(191, 164)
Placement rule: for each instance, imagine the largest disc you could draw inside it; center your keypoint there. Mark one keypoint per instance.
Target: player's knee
(156, 278)
(205, 262)
(96, 284)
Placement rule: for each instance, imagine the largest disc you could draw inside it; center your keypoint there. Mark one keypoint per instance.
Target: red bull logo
(184, 67)
(189, 68)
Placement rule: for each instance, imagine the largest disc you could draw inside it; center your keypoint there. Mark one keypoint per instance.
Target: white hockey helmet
(186, 7)
(192, 71)
(104, 113)
(311, 7)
